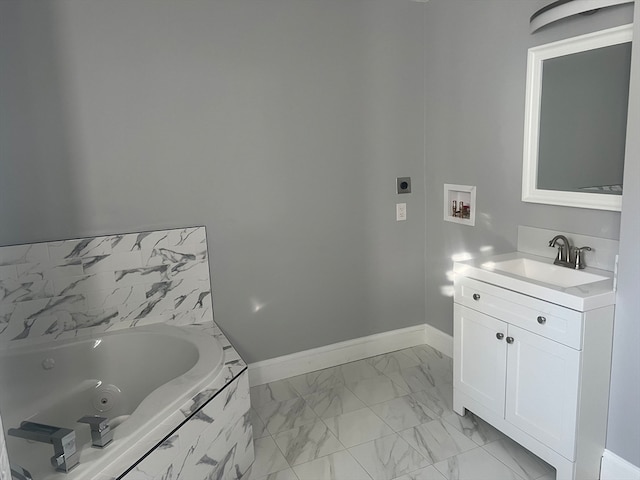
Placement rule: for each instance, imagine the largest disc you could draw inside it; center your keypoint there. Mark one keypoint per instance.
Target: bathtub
(137, 377)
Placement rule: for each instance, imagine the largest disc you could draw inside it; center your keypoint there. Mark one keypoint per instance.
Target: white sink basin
(545, 272)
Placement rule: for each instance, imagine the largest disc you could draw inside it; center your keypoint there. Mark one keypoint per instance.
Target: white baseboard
(439, 340)
(349, 351)
(615, 468)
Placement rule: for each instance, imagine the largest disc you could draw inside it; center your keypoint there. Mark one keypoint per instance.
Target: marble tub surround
(74, 288)
(61, 289)
(339, 431)
(198, 414)
(215, 443)
(217, 418)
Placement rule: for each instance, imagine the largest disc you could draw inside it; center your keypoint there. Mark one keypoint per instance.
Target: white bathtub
(136, 377)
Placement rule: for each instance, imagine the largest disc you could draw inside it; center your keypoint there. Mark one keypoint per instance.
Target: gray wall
(280, 125)
(624, 416)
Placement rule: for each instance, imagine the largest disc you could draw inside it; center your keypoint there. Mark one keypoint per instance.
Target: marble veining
(307, 443)
(416, 379)
(333, 401)
(474, 428)
(222, 448)
(56, 290)
(356, 371)
(428, 473)
(286, 415)
(403, 412)
(393, 361)
(400, 438)
(475, 465)
(434, 361)
(272, 392)
(437, 440)
(438, 399)
(524, 463)
(388, 457)
(317, 381)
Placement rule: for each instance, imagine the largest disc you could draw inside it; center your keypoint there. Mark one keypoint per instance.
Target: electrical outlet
(403, 185)
(401, 211)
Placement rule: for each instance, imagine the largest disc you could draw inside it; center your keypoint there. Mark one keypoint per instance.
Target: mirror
(575, 120)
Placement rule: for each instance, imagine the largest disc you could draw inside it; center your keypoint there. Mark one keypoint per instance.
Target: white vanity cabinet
(535, 370)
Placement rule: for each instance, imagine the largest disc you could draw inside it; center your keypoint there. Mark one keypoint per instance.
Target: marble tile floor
(387, 417)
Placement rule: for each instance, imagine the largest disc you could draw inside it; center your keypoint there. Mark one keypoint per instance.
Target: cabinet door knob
(476, 296)
(542, 320)
(499, 336)
(509, 339)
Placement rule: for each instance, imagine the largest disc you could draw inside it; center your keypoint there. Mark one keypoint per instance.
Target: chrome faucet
(101, 433)
(568, 256)
(564, 250)
(65, 456)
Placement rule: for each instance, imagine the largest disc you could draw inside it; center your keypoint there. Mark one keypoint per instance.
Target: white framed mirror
(577, 95)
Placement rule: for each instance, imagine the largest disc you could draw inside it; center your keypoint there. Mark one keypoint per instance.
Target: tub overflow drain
(106, 398)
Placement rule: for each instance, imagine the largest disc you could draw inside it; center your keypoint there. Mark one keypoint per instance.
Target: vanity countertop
(583, 297)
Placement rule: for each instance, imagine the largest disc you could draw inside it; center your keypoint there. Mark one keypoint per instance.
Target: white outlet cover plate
(401, 211)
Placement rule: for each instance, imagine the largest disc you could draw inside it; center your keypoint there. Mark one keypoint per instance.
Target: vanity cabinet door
(480, 357)
(542, 389)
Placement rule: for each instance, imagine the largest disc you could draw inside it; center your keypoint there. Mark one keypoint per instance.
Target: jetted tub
(136, 377)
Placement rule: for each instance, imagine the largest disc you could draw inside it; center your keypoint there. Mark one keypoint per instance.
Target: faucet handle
(101, 433)
(578, 261)
(65, 455)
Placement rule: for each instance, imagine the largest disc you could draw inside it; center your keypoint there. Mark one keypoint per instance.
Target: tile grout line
(318, 418)
(511, 469)
(441, 418)
(345, 448)
(361, 466)
(526, 477)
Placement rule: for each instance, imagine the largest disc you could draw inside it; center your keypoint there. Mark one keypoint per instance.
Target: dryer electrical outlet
(403, 185)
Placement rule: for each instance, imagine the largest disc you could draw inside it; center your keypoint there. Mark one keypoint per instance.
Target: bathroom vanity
(532, 355)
